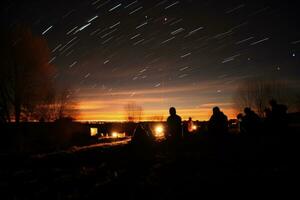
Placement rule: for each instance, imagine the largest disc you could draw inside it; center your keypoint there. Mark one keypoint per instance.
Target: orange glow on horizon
(189, 101)
(149, 115)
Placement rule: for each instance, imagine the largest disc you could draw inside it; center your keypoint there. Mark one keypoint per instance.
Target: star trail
(190, 54)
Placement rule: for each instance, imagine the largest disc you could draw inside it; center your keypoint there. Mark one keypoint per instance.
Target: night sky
(190, 54)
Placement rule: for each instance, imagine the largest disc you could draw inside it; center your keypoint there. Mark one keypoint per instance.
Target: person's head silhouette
(216, 110)
(172, 111)
(247, 110)
(239, 116)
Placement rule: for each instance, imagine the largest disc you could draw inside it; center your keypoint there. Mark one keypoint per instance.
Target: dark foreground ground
(201, 165)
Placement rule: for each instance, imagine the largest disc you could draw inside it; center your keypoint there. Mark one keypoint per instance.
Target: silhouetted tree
(133, 112)
(66, 105)
(25, 73)
(256, 94)
(57, 105)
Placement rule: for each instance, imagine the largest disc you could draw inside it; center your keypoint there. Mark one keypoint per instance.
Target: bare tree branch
(133, 112)
(256, 94)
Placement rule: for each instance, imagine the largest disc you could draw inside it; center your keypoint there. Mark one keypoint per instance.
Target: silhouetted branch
(256, 94)
(133, 112)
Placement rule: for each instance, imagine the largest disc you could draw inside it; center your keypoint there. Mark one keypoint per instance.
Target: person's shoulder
(225, 116)
(170, 118)
(256, 116)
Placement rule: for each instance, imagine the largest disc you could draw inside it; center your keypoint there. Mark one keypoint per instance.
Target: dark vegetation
(27, 88)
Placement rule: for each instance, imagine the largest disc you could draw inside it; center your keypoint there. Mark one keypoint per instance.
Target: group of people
(275, 120)
(250, 124)
(218, 124)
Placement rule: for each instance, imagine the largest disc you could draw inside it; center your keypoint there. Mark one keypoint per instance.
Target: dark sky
(191, 54)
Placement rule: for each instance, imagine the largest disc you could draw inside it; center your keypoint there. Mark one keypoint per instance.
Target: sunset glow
(201, 114)
(194, 101)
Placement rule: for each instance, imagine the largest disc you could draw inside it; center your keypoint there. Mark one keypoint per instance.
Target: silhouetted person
(268, 113)
(251, 122)
(278, 112)
(142, 148)
(240, 118)
(190, 125)
(267, 123)
(278, 117)
(174, 129)
(218, 122)
(141, 136)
